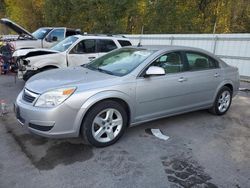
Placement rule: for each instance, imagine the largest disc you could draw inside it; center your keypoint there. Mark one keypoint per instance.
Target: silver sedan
(126, 87)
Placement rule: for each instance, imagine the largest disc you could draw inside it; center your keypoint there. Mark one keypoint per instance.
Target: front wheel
(222, 102)
(104, 124)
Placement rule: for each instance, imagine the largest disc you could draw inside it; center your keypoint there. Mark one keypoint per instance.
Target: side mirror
(54, 38)
(47, 39)
(153, 71)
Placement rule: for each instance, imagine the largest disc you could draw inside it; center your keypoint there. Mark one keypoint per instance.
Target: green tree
(28, 13)
(129, 16)
(2, 8)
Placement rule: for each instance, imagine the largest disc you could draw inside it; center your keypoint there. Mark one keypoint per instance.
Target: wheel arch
(230, 86)
(227, 83)
(39, 63)
(49, 67)
(116, 96)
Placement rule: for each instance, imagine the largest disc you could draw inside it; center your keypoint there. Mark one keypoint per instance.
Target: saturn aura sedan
(125, 87)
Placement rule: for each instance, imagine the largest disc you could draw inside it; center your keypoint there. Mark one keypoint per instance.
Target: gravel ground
(203, 151)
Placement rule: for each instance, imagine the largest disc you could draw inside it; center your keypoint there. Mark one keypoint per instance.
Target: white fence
(232, 48)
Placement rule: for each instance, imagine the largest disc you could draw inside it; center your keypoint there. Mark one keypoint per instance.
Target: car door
(158, 96)
(53, 37)
(82, 53)
(204, 76)
(105, 45)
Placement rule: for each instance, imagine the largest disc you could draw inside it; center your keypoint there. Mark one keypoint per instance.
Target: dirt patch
(186, 173)
(64, 153)
(148, 131)
(120, 163)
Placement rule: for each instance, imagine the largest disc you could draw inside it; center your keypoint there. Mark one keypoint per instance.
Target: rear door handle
(91, 58)
(182, 79)
(216, 75)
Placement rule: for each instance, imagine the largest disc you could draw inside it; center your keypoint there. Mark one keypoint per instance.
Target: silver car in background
(125, 87)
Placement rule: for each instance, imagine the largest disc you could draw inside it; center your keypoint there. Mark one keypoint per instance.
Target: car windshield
(64, 44)
(41, 33)
(120, 62)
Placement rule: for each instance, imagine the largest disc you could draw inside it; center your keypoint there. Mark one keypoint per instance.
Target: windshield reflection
(64, 44)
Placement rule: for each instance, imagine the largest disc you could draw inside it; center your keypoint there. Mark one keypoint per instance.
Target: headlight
(26, 61)
(54, 97)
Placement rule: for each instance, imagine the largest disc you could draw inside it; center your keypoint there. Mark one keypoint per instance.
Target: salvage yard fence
(234, 49)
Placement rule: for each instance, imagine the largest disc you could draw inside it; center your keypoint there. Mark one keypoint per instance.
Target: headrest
(201, 63)
(173, 58)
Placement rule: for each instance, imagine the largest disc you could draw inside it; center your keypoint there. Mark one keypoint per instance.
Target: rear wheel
(104, 124)
(222, 102)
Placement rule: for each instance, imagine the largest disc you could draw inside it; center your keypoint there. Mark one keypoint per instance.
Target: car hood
(33, 52)
(15, 27)
(65, 78)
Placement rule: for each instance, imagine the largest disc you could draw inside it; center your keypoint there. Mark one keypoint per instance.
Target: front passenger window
(170, 62)
(84, 47)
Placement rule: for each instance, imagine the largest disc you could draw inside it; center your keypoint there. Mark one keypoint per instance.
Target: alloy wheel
(107, 125)
(224, 101)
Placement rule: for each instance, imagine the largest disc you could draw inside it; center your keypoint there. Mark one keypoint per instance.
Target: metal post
(215, 44)
(140, 38)
(214, 30)
(172, 40)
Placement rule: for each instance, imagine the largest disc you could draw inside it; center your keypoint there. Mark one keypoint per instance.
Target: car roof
(117, 37)
(173, 47)
(169, 47)
(58, 28)
(51, 27)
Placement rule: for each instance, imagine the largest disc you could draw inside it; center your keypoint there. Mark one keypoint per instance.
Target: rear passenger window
(124, 43)
(89, 46)
(200, 62)
(106, 45)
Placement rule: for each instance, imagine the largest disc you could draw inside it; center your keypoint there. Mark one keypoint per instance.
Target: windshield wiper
(88, 66)
(98, 69)
(105, 71)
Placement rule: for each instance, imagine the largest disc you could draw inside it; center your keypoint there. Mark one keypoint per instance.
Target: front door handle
(91, 58)
(216, 75)
(182, 79)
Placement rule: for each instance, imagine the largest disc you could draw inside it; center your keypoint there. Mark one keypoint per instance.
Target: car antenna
(139, 44)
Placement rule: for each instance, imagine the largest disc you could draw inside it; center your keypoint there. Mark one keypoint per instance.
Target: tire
(104, 124)
(222, 102)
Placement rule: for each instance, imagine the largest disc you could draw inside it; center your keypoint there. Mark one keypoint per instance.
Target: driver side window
(170, 62)
(56, 34)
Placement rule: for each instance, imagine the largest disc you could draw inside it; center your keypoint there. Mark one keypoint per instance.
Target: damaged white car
(44, 37)
(72, 51)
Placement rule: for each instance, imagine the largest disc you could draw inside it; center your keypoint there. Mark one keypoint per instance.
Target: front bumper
(59, 122)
